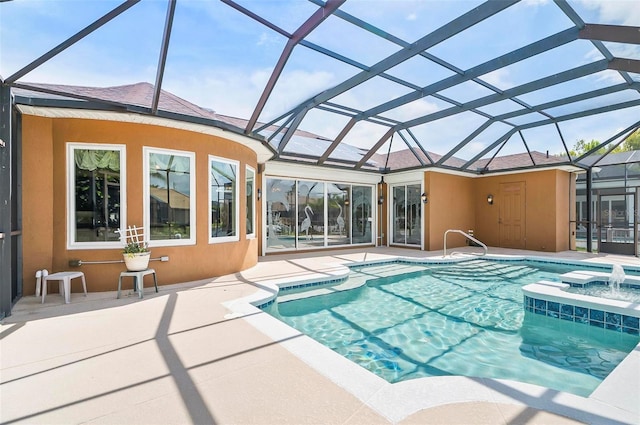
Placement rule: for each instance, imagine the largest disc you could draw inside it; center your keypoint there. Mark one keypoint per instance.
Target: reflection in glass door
(311, 220)
(362, 213)
(303, 214)
(406, 215)
(339, 214)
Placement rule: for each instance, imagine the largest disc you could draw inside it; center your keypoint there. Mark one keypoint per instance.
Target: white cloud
(365, 135)
(624, 50)
(535, 3)
(618, 12)
(324, 123)
(420, 107)
(415, 109)
(593, 55)
(259, 77)
(500, 78)
(268, 39)
(294, 87)
(609, 77)
(475, 147)
(235, 92)
(412, 17)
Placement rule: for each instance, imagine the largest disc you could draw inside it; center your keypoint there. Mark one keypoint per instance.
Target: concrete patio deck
(180, 356)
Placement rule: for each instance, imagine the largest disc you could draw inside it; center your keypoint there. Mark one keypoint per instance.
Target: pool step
(506, 271)
(583, 277)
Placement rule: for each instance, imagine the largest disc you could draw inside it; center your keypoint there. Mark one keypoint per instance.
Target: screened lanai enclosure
(614, 200)
(371, 86)
(455, 83)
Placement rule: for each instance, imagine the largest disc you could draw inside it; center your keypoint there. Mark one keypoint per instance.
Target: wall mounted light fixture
(424, 198)
(259, 193)
(490, 199)
(380, 187)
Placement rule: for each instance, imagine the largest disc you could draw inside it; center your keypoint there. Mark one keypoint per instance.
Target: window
(169, 186)
(312, 214)
(224, 211)
(95, 195)
(250, 198)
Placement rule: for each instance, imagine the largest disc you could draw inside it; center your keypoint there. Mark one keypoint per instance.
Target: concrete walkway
(180, 357)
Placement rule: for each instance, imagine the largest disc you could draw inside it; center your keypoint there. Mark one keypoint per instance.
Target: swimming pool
(414, 320)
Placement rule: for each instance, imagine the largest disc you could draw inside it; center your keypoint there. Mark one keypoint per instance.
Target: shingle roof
(517, 161)
(406, 159)
(141, 94)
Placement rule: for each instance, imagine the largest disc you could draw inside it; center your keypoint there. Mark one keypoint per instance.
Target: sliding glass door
(406, 215)
(313, 214)
(361, 214)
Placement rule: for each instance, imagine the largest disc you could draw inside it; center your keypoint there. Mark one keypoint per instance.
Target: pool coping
(613, 400)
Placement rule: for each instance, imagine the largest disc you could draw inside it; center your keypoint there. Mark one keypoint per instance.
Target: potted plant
(136, 256)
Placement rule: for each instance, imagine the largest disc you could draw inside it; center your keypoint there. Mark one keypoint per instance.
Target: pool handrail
(468, 236)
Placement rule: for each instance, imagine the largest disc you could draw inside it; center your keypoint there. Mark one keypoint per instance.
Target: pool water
(411, 321)
(631, 295)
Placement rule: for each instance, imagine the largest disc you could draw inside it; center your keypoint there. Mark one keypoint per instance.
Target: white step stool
(138, 280)
(64, 282)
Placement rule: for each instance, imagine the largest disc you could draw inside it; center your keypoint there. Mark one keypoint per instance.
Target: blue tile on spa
(566, 310)
(581, 312)
(597, 315)
(631, 322)
(612, 318)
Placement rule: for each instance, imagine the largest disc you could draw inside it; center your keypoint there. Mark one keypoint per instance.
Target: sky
(221, 59)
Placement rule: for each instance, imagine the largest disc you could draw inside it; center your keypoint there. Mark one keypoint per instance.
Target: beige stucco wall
(546, 211)
(45, 207)
(451, 206)
(460, 202)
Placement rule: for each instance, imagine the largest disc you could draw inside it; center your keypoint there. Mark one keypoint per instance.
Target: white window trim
(71, 199)
(146, 151)
(252, 235)
(236, 213)
(263, 216)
